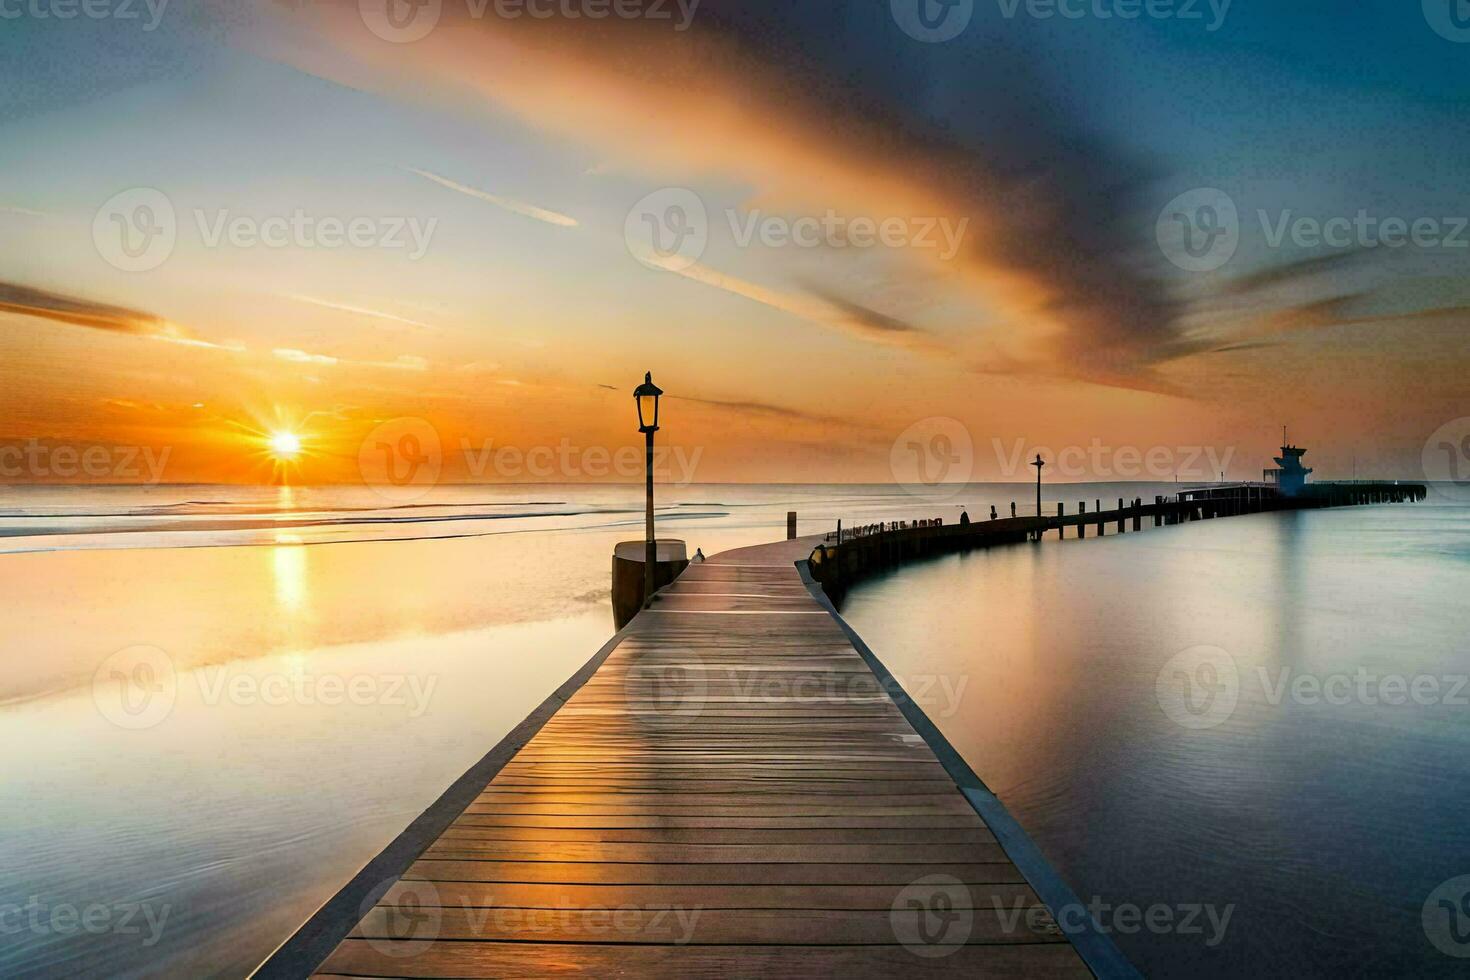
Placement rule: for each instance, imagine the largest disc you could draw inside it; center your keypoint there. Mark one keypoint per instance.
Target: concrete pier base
(627, 574)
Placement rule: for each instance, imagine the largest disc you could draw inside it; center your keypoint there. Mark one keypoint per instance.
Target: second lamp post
(647, 396)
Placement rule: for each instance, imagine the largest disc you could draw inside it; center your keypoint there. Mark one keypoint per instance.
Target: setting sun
(285, 445)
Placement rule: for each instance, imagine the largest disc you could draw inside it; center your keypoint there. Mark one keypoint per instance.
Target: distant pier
(851, 553)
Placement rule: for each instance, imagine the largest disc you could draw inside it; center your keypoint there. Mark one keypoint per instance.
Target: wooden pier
(732, 788)
(849, 554)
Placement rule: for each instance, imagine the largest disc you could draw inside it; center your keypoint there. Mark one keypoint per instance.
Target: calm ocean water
(1266, 717)
(318, 667)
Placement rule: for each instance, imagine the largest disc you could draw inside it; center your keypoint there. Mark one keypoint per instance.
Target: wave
(231, 534)
(202, 507)
(177, 539)
(274, 524)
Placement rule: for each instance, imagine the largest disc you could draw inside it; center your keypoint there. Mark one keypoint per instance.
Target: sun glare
(285, 445)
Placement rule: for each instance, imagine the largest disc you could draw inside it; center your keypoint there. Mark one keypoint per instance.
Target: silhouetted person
(964, 518)
(699, 554)
(1013, 508)
(993, 514)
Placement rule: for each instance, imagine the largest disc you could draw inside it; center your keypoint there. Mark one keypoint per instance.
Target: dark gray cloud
(29, 301)
(865, 317)
(768, 410)
(1287, 273)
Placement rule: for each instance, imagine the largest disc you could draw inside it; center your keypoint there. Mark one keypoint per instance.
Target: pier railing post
(1082, 524)
(1061, 528)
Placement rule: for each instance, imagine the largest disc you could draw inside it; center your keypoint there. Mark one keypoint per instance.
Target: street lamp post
(647, 396)
(1038, 462)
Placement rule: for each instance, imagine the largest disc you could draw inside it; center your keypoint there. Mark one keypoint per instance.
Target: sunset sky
(495, 168)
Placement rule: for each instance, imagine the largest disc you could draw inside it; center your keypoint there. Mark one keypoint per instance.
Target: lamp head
(647, 395)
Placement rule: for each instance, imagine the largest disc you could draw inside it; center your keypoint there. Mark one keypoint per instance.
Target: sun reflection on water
(288, 559)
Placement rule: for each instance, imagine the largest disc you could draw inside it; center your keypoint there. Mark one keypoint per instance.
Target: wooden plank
(793, 810)
(593, 873)
(683, 926)
(485, 894)
(516, 796)
(714, 823)
(651, 784)
(375, 958)
(464, 844)
(471, 827)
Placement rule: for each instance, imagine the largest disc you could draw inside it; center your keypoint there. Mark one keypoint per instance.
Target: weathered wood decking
(731, 793)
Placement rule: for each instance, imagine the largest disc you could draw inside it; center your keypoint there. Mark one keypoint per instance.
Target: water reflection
(288, 565)
(1323, 824)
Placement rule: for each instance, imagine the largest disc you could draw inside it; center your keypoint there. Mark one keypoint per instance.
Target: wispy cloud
(769, 410)
(826, 310)
(404, 362)
(500, 201)
(359, 310)
(302, 357)
(28, 301)
(1270, 326)
(881, 326)
(1290, 272)
(79, 312)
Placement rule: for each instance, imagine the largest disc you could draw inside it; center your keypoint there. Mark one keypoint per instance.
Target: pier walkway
(730, 792)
